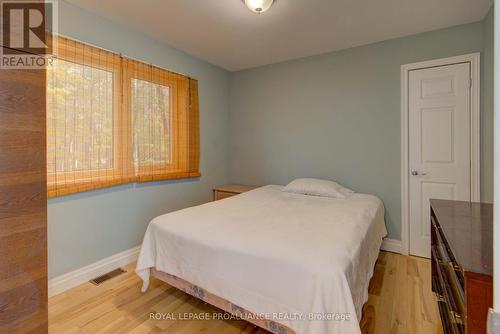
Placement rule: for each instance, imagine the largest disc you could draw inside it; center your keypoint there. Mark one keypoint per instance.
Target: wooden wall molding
(23, 202)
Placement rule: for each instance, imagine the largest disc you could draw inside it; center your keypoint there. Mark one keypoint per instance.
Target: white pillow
(317, 187)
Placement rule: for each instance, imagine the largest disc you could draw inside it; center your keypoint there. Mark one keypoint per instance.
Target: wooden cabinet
(462, 264)
(23, 202)
(229, 190)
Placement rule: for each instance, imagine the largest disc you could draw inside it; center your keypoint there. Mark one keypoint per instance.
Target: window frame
(184, 154)
(62, 183)
(155, 75)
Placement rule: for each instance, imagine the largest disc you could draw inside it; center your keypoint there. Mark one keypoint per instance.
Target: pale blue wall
(88, 227)
(335, 116)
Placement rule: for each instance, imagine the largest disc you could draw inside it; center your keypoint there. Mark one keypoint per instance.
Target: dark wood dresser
(462, 264)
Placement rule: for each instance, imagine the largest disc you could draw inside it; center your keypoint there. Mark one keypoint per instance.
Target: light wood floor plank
(400, 302)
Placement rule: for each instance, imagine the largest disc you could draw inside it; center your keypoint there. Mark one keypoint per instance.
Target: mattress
(302, 261)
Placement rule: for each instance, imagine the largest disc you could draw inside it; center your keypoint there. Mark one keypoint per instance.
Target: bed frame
(221, 303)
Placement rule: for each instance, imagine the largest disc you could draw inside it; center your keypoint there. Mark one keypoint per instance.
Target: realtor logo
(27, 30)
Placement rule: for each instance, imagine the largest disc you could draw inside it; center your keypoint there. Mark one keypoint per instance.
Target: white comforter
(275, 253)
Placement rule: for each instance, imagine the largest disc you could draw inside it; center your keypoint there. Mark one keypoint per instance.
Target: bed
(289, 263)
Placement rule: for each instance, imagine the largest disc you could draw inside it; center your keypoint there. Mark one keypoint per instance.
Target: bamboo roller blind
(113, 120)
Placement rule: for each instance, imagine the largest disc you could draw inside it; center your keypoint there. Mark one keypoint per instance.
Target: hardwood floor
(400, 301)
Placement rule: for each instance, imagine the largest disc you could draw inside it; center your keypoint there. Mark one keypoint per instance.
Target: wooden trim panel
(23, 202)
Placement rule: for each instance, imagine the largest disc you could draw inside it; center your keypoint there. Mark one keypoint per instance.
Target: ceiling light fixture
(258, 6)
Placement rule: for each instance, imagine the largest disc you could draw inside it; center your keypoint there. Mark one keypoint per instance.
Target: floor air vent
(103, 278)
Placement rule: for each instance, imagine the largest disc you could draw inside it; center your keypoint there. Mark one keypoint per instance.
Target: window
(81, 117)
(150, 123)
(113, 120)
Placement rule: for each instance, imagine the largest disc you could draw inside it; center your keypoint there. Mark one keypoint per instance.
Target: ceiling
(227, 34)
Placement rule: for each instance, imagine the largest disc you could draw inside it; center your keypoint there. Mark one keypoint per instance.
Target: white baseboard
(392, 245)
(69, 280)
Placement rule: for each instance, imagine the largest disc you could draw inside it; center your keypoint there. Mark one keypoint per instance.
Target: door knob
(416, 173)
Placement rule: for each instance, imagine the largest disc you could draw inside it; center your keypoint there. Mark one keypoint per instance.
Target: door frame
(475, 126)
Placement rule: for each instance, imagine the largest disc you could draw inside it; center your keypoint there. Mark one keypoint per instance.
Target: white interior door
(439, 144)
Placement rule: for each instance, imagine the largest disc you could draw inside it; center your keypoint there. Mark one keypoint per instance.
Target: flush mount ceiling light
(258, 6)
